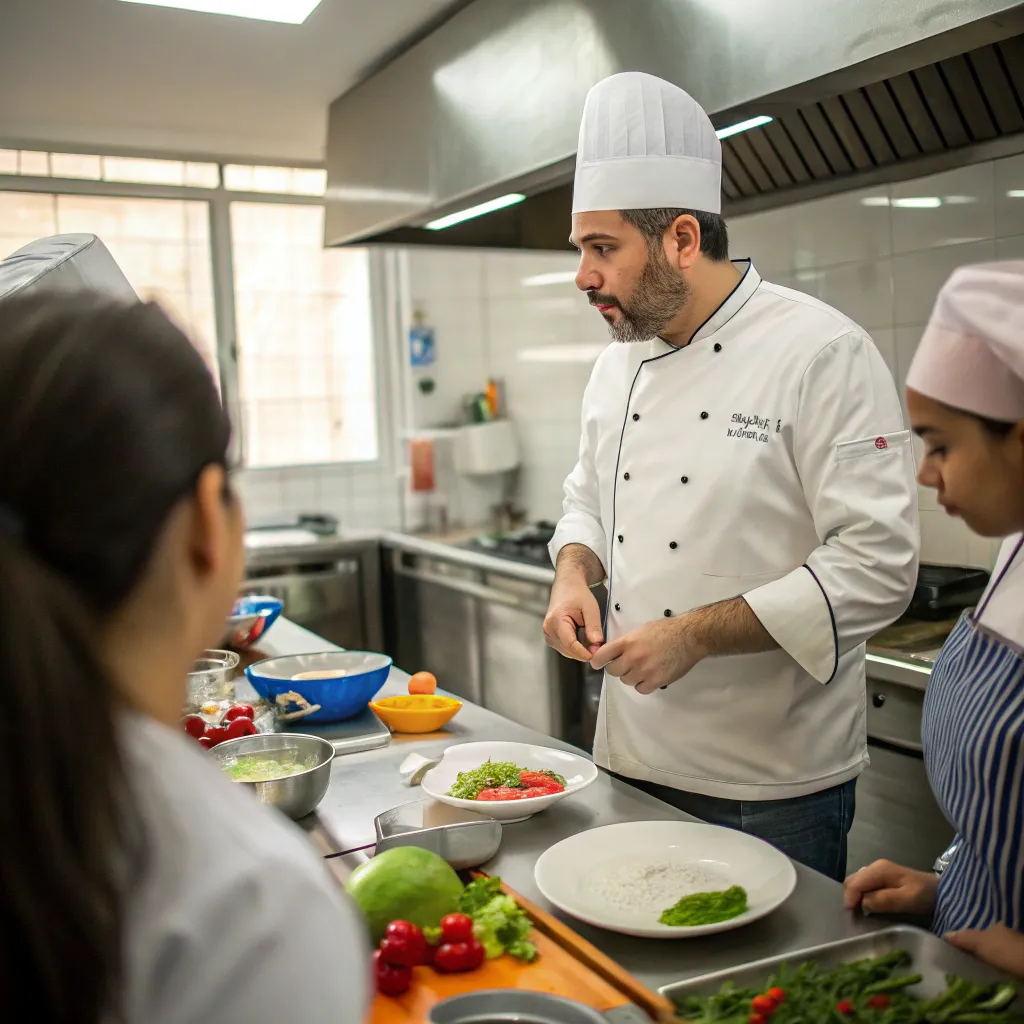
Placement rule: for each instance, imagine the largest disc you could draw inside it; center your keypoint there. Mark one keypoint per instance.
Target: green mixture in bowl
(706, 908)
(264, 768)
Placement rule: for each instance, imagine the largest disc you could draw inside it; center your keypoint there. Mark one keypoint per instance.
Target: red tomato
(845, 1007)
(456, 928)
(239, 711)
(764, 1005)
(541, 781)
(392, 979)
(239, 727)
(451, 957)
(879, 1001)
(757, 1018)
(204, 741)
(406, 936)
(194, 725)
(778, 994)
(510, 793)
(216, 734)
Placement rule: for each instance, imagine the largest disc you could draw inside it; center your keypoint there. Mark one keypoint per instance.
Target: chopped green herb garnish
(490, 774)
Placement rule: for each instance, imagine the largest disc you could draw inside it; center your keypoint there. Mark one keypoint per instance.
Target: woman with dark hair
(965, 395)
(137, 883)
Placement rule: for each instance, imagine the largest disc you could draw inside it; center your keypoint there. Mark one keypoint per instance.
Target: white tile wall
(518, 317)
(880, 256)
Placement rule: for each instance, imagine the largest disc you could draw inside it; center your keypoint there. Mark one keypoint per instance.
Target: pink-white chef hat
(971, 356)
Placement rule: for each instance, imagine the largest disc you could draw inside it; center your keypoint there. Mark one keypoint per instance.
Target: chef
(745, 486)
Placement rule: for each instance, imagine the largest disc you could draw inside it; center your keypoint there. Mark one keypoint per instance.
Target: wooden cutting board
(567, 965)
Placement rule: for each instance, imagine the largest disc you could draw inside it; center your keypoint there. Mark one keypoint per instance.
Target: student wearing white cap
(965, 396)
(745, 485)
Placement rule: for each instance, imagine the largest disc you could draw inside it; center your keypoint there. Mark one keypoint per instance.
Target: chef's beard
(659, 295)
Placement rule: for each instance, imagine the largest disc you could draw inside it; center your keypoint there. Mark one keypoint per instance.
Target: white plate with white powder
(621, 877)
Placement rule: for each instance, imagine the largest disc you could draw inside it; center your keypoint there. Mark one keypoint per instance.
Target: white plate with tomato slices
(536, 790)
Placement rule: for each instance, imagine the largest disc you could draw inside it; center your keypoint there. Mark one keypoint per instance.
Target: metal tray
(931, 957)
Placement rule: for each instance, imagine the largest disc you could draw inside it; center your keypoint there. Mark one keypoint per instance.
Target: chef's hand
(573, 605)
(887, 888)
(653, 655)
(999, 946)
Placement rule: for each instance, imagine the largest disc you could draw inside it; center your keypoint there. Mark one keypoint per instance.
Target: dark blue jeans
(811, 829)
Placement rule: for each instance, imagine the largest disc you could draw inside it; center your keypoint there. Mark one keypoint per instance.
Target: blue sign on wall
(421, 346)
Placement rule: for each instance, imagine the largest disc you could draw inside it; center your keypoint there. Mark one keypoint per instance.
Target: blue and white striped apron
(973, 737)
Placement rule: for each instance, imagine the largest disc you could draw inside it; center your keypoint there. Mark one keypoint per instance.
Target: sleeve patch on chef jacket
(879, 445)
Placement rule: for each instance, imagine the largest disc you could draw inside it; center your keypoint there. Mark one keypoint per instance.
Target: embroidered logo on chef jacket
(880, 445)
(751, 427)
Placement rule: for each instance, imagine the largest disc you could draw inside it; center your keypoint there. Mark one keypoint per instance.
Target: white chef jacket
(235, 919)
(768, 458)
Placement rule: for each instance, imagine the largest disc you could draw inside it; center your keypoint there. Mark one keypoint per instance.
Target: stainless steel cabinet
(330, 585)
(897, 816)
(481, 634)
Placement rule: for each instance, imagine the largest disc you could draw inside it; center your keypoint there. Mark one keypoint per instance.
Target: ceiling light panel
(288, 12)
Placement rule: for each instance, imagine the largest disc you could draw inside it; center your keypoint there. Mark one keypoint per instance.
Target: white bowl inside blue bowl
(342, 683)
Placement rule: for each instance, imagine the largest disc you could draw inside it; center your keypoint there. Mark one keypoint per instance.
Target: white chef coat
(235, 918)
(768, 458)
(1002, 605)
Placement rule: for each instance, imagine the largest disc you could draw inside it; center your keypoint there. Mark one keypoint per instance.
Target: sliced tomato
(510, 793)
(540, 781)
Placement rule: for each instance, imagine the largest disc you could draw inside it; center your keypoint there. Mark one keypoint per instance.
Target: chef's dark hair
(110, 415)
(652, 224)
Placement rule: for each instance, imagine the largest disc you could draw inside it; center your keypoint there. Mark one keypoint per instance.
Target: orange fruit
(423, 682)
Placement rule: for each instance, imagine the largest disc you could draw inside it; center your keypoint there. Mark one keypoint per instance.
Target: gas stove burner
(528, 544)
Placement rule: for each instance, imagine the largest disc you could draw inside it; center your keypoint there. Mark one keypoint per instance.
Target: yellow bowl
(415, 712)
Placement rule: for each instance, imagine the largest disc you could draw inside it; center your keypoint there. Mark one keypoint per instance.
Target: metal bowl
(296, 795)
(497, 1006)
(212, 678)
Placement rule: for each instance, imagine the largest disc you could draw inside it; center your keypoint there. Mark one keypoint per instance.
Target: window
(305, 343)
(162, 245)
(109, 168)
(296, 181)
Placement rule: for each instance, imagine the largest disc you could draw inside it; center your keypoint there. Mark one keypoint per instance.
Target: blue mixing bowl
(341, 682)
(250, 618)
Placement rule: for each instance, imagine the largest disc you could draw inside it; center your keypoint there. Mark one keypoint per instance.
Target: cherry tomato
(845, 1007)
(406, 944)
(392, 979)
(216, 734)
(879, 1001)
(757, 1018)
(194, 725)
(452, 957)
(456, 928)
(764, 1005)
(239, 711)
(540, 781)
(204, 741)
(778, 994)
(239, 727)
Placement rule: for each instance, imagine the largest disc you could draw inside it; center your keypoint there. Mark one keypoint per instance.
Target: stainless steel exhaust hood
(489, 103)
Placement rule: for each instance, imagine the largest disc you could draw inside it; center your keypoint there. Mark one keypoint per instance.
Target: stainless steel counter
(363, 785)
(463, 556)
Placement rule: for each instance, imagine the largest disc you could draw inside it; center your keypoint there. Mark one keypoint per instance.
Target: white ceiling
(101, 73)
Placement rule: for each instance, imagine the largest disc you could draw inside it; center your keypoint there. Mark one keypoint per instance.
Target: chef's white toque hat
(971, 356)
(646, 144)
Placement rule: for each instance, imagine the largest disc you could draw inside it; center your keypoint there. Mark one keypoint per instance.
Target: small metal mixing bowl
(296, 795)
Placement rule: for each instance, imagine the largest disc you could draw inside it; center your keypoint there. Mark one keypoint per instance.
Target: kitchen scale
(364, 732)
